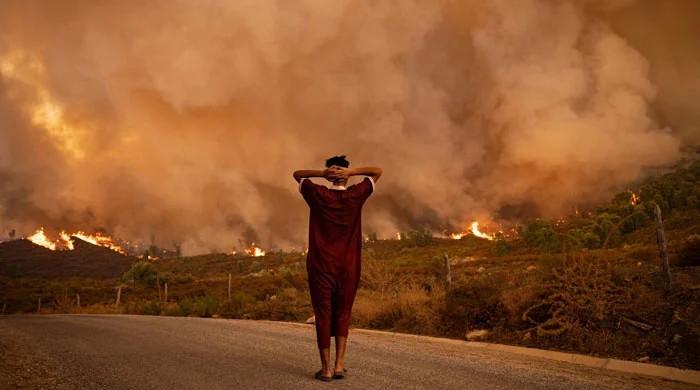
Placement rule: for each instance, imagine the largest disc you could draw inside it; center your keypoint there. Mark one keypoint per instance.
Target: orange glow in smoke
(43, 109)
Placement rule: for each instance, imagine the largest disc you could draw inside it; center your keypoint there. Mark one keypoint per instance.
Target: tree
(142, 272)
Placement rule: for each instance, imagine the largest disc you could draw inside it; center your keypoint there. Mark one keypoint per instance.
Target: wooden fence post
(661, 241)
(229, 287)
(166, 291)
(160, 296)
(4, 305)
(38, 306)
(448, 271)
(119, 296)
(77, 299)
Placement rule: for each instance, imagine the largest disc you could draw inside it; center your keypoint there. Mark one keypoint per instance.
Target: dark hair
(340, 161)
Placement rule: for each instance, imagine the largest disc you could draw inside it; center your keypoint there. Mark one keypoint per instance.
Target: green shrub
(420, 237)
(173, 309)
(500, 246)
(201, 306)
(238, 306)
(540, 234)
(142, 272)
(149, 308)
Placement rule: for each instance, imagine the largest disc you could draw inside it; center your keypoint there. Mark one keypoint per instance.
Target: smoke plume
(182, 121)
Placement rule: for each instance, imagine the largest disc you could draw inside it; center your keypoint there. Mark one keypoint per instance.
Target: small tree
(540, 234)
(142, 272)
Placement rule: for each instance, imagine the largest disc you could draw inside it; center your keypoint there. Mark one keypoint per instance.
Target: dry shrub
(381, 276)
(526, 289)
(586, 293)
(644, 253)
(474, 305)
(407, 308)
(99, 308)
(172, 309)
(287, 305)
(689, 255)
(152, 308)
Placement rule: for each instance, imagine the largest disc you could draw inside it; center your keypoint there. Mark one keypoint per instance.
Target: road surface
(144, 352)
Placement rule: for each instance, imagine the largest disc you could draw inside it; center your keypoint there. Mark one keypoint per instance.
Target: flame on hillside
(457, 236)
(634, 198)
(474, 231)
(97, 239)
(478, 233)
(65, 240)
(39, 238)
(253, 250)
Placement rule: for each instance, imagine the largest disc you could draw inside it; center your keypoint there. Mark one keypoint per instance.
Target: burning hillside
(65, 240)
(473, 230)
(25, 258)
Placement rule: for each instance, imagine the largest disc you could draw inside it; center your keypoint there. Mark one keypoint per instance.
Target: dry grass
(409, 308)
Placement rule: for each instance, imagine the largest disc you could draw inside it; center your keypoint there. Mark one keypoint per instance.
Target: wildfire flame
(65, 240)
(634, 199)
(39, 238)
(475, 231)
(254, 251)
(97, 239)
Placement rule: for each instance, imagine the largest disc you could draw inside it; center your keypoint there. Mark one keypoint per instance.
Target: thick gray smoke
(183, 120)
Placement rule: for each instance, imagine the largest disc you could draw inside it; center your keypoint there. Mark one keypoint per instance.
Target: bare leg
(340, 342)
(325, 361)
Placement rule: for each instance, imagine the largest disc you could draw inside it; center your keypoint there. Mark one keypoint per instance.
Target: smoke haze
(182, 121)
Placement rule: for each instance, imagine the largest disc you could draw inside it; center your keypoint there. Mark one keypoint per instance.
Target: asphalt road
(143, 352)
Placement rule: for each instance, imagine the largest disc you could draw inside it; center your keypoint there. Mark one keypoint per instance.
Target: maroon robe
(335, 246)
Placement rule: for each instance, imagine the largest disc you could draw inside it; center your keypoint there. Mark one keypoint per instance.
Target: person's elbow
(297, 176)
(378, 174)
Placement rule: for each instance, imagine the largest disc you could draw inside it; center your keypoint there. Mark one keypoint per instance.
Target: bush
(202, 306)
(255, 266)
(149, 308)
(477, 305)
(238, 306)
(421, 237)
(500, 247)
(173, 309)
(540, 234)
(282, 306)
(142, 272)
(689, 255)
(586, 237)
(409, 309)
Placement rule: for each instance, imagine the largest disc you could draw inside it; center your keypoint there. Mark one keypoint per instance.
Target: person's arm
(306, 173)
(343, 173)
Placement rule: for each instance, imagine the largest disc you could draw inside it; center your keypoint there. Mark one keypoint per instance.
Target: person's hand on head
(339, 173)
(329, 173)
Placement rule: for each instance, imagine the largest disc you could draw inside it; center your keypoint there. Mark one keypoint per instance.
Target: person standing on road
(335, 245)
